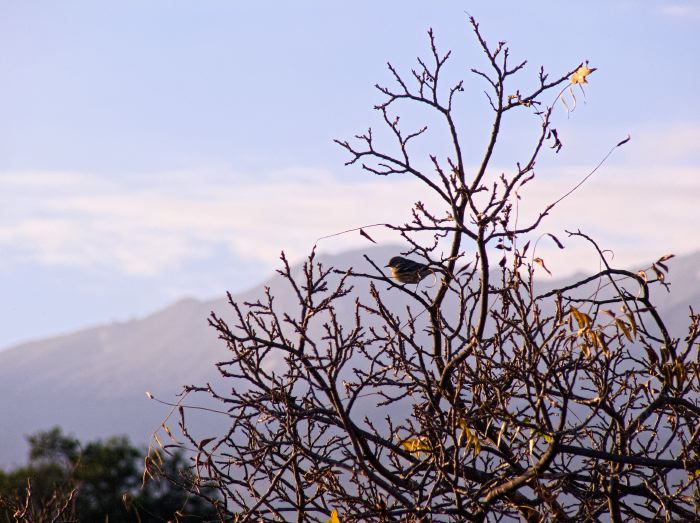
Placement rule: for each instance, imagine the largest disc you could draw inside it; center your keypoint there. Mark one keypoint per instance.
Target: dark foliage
(99, 481)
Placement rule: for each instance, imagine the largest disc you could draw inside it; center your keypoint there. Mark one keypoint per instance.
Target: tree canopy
(478, 393)
(66, 480)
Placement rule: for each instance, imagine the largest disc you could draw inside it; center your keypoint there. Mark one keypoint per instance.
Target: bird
(408, 271)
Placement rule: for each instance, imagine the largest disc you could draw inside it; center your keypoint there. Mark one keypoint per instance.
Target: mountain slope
(93, 382)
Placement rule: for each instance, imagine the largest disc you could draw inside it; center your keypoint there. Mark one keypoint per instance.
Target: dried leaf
(157, 455)
(623, 142)
(584, 320)
(468, 438)
(540, 262)
(585, 350)
(363, 233)
(500, 434)
(632, 323)
(557, 145)
(665, 257)
(624, 328)
(556, 240)
(659, 274)
(204, 442)
(167, 430)
(603, 344)
(334, 517)
(579, 76)
(417, 445)
(653, 358)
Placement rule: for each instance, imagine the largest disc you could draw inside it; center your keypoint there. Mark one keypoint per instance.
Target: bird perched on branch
(408, 271)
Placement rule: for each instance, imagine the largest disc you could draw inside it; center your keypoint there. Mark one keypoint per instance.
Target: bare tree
(483, 397)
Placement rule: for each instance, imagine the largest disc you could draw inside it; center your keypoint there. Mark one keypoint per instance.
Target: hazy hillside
(93, 382)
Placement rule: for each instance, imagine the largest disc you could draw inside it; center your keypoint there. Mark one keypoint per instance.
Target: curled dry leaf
(363, 233)
(540, 262)
(579, 76)
(556, 240)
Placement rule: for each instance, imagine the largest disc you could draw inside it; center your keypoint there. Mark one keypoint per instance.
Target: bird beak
(387, 265)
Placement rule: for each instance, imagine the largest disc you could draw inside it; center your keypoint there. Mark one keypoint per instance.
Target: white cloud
(143, 228)
(146, 225)
(664, 144)
(639, 214)
(681, 10)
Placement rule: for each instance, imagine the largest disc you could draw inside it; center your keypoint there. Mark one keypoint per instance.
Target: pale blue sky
(152, 150)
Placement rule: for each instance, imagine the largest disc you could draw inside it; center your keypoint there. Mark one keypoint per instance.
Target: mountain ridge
(93, 381)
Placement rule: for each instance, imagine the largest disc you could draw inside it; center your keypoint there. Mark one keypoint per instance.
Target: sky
(155, 150)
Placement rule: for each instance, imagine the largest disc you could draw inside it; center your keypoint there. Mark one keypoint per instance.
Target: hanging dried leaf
(417, 445)
(659, 274)
(469, 438)
(363, 233)
(500, 434)
(557, 145)
(556, 240)
(579, 76)
(167, 430)
(623, 142)
(624, 328)
(204, 443)
(540, 262)
(632, 323)
(585, 349)
(584, 320)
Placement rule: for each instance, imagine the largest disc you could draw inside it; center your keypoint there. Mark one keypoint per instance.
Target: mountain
(93, 382)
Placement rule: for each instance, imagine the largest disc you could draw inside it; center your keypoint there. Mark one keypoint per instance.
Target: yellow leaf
(417, 445)
(167, 430)
(632, 323)
(624, 328)
(334, 517)
(477, 446)
(500, 434)
(680, 372)
(579, 76)
(583, 320)
(469, 438)
(586, 351)
(464, 434)
(157, 454)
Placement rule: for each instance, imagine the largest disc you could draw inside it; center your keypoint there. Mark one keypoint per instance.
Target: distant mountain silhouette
(93, 382)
